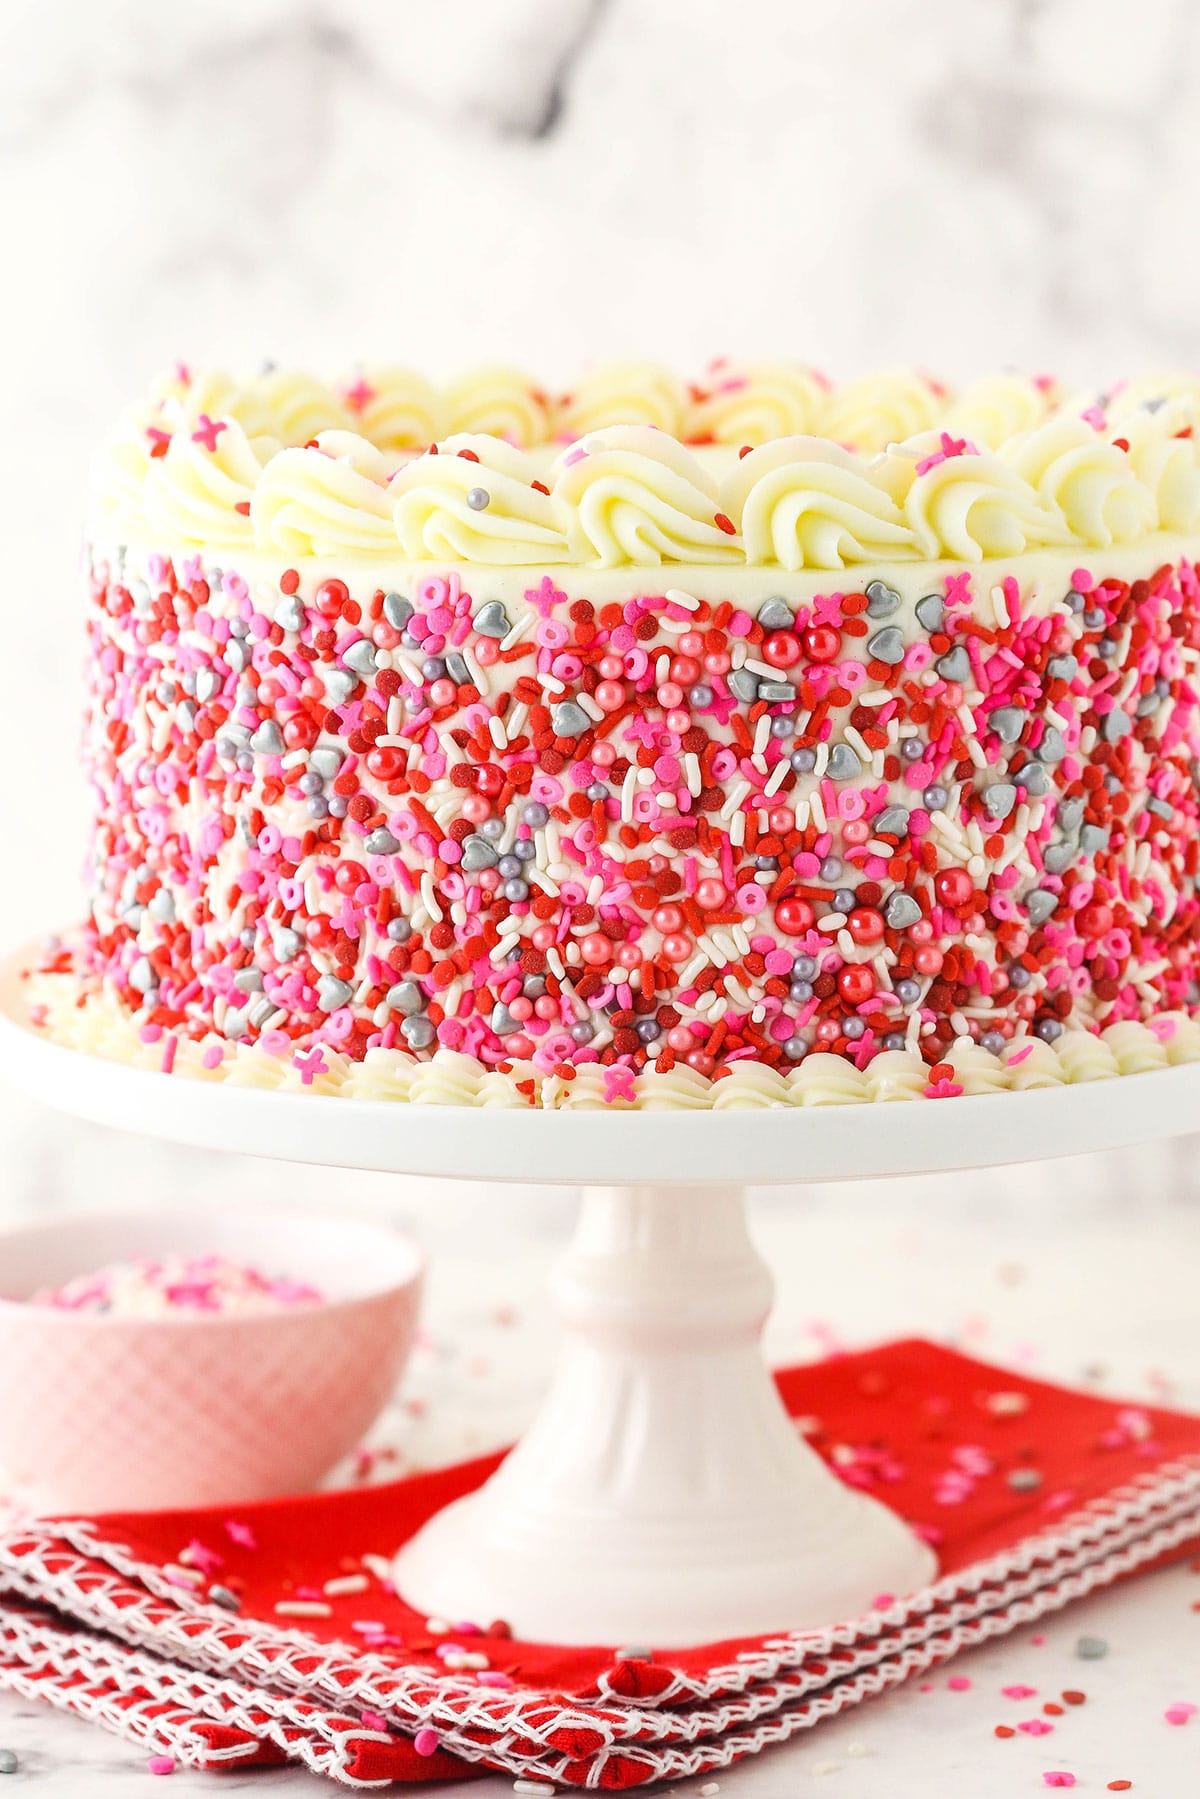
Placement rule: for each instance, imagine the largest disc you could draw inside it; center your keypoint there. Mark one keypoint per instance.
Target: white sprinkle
(541, 1788)
(855, 740)
(541, 877)
(587, 704)
(478, 675)
(497, 733)
(1000, 606)
(693, 968)
(822, 762)
(878, 696)
(595, 892)
(733, 800)
(711, 949)
(817, 806)
(737, 830)
(346, 1583)
(628, 787)
(778, 776)
(507, 928)
(742, 939)
(189, 1576)
(662, 667)
(303, 1608)
(762, 733)
(677, 597)
(395, 714)
(522, 628)
(515, 722)
(430, 898)
(764, 669)
(550, 682)
(691, 770)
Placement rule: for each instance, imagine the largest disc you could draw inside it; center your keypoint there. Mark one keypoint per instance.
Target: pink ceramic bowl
(99, 1413)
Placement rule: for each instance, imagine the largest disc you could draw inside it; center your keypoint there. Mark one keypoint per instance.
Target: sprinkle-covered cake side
(532, 826)
(797, 775)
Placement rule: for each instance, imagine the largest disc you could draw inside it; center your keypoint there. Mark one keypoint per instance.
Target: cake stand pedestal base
(662, 1495)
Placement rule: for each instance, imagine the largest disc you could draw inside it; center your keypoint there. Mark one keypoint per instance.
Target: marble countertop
(1087, 1271)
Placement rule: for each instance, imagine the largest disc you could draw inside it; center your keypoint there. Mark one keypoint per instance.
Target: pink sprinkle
(241, 1534)
(161, 1764)
(1018, 1692)
(958, 1683)
(1180, 1712)
(426, 1741)
(1058, 1777)
(1035, 1727)
(373, 1720)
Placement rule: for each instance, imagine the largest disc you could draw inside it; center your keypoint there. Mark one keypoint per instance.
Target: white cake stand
(662, 1495)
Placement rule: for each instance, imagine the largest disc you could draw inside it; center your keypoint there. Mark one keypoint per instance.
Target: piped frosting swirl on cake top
(768, 465)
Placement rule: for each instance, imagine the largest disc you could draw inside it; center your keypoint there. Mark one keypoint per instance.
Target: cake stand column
(662, 1495)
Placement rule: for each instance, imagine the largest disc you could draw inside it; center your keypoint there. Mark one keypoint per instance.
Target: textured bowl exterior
(101, 1413)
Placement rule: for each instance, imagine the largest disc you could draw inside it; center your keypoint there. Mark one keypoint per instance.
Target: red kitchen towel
(1032, 1494)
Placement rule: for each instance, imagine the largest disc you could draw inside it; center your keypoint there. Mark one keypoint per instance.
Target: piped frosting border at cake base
(95, 1024)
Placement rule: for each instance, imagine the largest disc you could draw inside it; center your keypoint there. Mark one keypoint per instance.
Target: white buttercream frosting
(885, 468)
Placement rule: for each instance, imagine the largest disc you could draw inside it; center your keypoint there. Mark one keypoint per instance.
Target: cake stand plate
(662, 1495)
